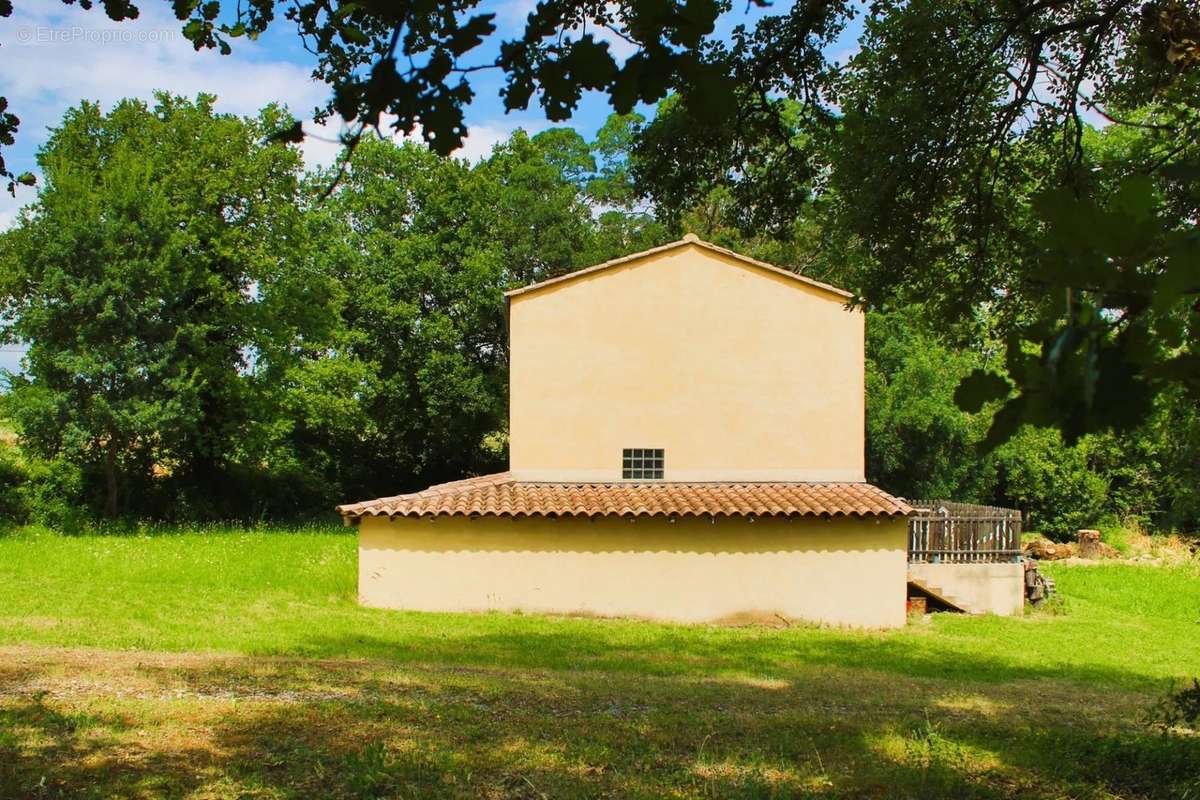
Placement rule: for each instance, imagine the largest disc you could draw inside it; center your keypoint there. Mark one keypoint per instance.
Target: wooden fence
(962, 533)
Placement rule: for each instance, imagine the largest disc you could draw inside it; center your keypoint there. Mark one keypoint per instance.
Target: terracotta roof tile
(502, 496)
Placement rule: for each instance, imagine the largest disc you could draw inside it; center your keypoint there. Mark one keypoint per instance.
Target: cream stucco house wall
(686, 443)
(737, 370)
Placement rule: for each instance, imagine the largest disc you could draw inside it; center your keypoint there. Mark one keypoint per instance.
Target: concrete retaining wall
(976, 588)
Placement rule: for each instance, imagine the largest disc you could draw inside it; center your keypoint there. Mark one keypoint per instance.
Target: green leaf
(590, 64)
(1171, 330)
(1135, 197)
(1072, 223)
(1181, 277)
(979, 388)
(471, 34)
(193, 31)
(293, 134)
(353, 35)
(1186, 173)
(1005, 424)
(696, 20)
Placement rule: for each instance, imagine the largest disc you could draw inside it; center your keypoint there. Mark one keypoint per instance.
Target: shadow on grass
(589, 647)
(47, 751)
(446, 732)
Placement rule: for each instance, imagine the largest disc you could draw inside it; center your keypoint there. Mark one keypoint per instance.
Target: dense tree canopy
(1032, 280)
(422, 248)
(951, 148)
(148, 278)
(213, 333)
(954, 159)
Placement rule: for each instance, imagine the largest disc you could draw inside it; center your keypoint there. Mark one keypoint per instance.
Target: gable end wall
(738, 373)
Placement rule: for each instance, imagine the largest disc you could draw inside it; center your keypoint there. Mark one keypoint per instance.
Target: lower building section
(844, 571)
(974, 588)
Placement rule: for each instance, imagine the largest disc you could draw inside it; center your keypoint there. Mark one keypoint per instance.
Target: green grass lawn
(230, 664)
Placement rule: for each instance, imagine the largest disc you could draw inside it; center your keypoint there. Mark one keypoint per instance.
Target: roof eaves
(579, 273)
(828, 287)
(501, 495)
(690, 238)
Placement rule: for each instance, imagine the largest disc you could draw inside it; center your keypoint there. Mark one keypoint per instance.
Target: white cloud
(322, 143)
(62, 54)
(54, 56)
(619, 47)
(10, 206)
(484, 136)
(8, 210)
(10, 360)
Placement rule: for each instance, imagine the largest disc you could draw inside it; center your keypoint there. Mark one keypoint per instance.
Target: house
(686, 443)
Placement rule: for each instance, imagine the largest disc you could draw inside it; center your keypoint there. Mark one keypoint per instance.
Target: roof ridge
(689, 238)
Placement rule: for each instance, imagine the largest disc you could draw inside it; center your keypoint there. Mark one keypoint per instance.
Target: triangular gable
(689, 239)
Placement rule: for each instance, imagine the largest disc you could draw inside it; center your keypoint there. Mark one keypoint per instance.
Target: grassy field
(237, 664)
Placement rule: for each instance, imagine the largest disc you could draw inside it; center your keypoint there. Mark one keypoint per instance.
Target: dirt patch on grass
(34, 622)
(769, 619)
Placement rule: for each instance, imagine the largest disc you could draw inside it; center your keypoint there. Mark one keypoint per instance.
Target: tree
(212, 336)
(599, 173)
(148, 280)
(958, 157)
(407, 65)
(1058, 487)
(534, 210)
(612, 183)
(919, 443)
(9, 123)
(413, 391)
(415, 362)
(946, 107)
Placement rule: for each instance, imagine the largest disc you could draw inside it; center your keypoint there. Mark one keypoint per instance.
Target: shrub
(55, 495)
(13, 480)
(242, 494)
(1052, 482)
(1117, 536)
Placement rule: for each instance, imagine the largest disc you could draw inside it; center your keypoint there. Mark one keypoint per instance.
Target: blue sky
(52, 56)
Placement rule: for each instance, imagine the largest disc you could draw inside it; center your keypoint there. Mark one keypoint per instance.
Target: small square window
(642, 463)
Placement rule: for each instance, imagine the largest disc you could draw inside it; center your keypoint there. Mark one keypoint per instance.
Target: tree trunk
(110, 480)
